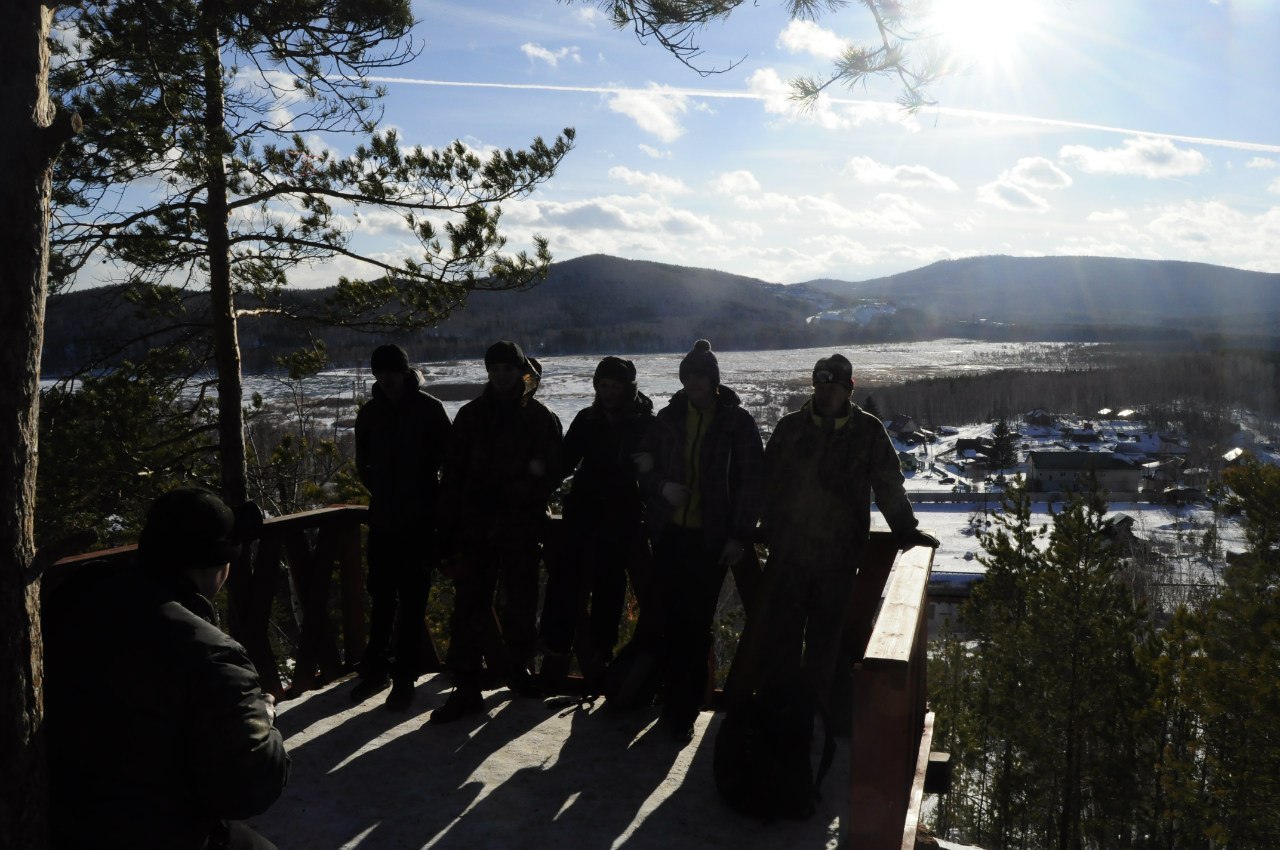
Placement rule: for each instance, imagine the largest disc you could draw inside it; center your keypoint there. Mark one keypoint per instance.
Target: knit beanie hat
(616, 369)
(191, 527)
(505, 351)
(835, 369)
(389, 358)
(700, 361)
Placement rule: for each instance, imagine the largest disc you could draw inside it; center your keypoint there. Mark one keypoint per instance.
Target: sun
(984, 33)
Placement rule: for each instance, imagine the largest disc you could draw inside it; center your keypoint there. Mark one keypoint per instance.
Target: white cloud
(808, 37)
(1012, 190)
(1215, 232)
(1262, 162)
(1037, 172)
(1144, 157)
(552, 58)
(1274, 186)
(735, 183)
(649, 181)
(653, 152)
(866, 170)
(589, 15)
(655, 111)
(1108, 216)
(1007, 195)
(642, 214)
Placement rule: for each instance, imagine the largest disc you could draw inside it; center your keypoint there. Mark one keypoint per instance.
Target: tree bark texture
(28, 142)
(235, 473)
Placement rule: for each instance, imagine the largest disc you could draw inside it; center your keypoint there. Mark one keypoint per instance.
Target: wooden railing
(886, 637)
(892, 730)
(314, 544)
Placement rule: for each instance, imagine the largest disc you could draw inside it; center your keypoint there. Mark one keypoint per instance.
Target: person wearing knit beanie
(705, 462)
(603, 537)
(701, 361)
(389, 358)
(615, 369)
(506, 351)
(504, 464)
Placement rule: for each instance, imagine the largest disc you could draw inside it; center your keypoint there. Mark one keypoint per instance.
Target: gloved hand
(643, 462)
(677, 495)
(732, 552)
(916, 537)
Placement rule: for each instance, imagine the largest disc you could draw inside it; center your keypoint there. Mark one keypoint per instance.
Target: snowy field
(755, 375)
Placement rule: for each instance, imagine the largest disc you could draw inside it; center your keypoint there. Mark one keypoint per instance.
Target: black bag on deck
(762, 763)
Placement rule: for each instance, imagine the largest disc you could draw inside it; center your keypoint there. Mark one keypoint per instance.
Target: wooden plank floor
(528, 774)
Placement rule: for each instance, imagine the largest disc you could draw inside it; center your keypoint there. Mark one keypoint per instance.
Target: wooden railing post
(889, 692)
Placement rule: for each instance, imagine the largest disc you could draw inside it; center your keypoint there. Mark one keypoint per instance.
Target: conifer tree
(198, 169)
(1235, 677)
(1004, 449)
(873, 408)
(1058, 686)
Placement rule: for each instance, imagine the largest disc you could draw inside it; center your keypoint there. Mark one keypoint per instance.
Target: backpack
(762, 762)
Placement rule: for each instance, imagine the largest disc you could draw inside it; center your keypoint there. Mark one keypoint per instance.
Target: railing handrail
(890, 727)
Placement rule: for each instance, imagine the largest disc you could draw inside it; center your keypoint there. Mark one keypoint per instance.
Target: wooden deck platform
(530, 773)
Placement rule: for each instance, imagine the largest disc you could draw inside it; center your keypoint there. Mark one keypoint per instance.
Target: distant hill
(1086, 291)
(602, 304)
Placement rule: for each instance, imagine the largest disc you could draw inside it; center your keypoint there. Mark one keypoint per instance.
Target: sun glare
(984, 32)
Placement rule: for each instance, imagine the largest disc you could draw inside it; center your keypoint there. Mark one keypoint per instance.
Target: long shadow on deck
(527, 775)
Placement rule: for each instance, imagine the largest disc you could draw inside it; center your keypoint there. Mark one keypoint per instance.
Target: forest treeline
(1201, 393)
(1077, 718)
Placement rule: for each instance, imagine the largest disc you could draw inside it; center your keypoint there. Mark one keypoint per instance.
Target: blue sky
(1139, 128)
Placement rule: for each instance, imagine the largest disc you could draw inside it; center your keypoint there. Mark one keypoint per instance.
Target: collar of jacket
(725, 397)
(639, 406)
(184, 592)
(413, 383)
(817, 419)
(491, 398)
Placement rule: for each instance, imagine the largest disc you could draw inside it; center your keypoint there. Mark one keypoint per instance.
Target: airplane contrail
(930, 110)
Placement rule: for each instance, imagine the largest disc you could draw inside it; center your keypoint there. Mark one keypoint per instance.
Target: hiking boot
(554, 671)
(400, 698)
(369, 686)
(461, 702)
(519, 681)
(680, 728)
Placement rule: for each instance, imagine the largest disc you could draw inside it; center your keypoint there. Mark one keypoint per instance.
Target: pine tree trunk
(28, 142)
(235, 475)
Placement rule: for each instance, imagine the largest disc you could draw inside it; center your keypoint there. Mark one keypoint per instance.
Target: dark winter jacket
(156, 726)
(731, 471)
(598, 453)
(400, 447)
(489, 490)
(819, 484)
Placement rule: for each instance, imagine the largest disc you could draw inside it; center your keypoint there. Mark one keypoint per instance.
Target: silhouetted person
(502, 467)
(402, 434)
(604, 536)
(159, 735)
(703, 496)
(822, 466)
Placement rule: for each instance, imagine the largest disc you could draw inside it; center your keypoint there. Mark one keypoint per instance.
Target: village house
(1039, 418)
(1064, 471)
(1151, 444)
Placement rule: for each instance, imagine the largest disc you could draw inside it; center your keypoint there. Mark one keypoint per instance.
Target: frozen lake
(757, 376)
